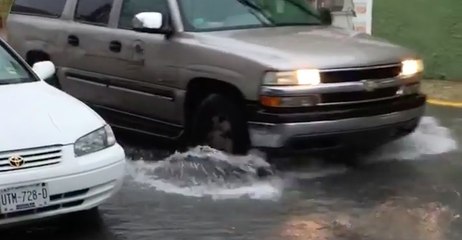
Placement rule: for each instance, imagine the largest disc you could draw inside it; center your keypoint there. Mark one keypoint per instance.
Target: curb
(444, 103)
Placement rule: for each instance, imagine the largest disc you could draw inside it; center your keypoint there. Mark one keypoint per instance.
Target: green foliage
(433, 28)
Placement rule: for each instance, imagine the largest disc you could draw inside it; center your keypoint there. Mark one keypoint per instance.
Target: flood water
(410, 189)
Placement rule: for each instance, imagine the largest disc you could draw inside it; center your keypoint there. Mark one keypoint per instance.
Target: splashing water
(204, 171)
(430, 138)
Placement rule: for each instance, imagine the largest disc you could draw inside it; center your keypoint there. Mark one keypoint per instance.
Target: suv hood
(308, 47)
(37, 115)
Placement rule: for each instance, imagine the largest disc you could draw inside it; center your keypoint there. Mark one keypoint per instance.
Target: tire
(220, 124)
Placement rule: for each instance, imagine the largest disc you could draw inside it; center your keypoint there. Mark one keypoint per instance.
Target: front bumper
(339, 127)
(75, 184)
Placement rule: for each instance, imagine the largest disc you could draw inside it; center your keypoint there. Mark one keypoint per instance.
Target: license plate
(23, 198)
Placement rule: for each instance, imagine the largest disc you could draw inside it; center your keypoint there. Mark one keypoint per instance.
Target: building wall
(433, 28)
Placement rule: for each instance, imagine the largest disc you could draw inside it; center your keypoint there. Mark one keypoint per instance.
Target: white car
(57, 155)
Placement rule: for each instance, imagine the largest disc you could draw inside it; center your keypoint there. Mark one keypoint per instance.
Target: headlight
(94, 141)
(411, 67)
(299, 77)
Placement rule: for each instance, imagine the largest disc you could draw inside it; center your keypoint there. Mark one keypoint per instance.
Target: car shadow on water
(84, 225)
(144, 147)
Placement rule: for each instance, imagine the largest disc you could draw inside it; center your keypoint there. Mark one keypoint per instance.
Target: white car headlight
(411, 67)
(298, 77)
(95, 141)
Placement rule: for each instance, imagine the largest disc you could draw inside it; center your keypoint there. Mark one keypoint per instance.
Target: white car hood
(37, 115)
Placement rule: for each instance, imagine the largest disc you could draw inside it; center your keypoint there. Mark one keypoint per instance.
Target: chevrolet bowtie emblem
(370, 85)
(16, 161)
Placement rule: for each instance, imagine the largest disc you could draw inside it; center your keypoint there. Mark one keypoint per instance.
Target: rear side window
(93, 11)
(50, 8)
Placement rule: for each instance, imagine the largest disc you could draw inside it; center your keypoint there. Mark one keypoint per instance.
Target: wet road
(410, 189)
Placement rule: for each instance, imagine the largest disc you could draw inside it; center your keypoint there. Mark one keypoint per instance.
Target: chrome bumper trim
(365, 85)
(276, 135)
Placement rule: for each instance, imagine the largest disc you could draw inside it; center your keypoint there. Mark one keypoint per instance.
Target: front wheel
(220, 124)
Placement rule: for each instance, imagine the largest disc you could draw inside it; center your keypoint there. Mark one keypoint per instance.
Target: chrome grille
(358, 74)
(352, 97)
(33, 158)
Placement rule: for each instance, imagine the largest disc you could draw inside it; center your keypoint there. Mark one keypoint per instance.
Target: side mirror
(150, 22)
(44, 70)
(326, 16)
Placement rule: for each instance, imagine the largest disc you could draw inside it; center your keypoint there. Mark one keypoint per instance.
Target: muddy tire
(220, 124)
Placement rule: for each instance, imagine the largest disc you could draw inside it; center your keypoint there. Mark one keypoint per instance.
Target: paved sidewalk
(441, 92)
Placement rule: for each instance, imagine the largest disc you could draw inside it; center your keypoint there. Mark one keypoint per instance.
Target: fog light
(409, 89)
(304, 101)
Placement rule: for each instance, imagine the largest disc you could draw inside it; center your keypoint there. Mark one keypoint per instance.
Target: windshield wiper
(6, 83)
(9, 81)
(251, 4)
(254, 6)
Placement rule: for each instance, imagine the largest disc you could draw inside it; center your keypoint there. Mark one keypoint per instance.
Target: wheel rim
(219, 136)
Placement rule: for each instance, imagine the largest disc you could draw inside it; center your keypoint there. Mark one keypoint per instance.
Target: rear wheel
(220, 124)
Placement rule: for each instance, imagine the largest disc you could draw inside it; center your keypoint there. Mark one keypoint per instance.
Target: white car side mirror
(150, 22)
(44, 70)
(147, 20)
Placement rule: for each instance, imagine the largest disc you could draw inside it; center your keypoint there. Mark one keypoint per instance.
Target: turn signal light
(270, 101)
(305, 101)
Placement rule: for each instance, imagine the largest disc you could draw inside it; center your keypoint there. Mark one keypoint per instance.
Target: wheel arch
(199, 88)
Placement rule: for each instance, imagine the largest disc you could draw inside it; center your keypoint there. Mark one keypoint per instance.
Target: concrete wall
(432, 27)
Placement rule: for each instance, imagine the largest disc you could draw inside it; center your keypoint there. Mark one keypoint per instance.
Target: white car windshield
(11, 70)
(210, 15)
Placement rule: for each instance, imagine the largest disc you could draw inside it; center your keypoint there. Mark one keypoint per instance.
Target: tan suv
(272, 74)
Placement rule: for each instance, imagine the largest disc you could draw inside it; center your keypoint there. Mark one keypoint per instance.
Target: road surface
(410, 189)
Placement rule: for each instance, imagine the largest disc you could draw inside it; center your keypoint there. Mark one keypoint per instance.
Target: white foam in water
(430, 138)
(207, 178)
(205, 172)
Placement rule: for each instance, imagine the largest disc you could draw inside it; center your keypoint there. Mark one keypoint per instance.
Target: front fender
(248, 86)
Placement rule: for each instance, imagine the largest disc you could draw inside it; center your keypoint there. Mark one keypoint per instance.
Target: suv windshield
(209, 15)
(11, 70)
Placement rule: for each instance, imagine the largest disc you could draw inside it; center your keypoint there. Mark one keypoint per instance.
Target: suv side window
(132, 7)
(48, 8)
(93, 11)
